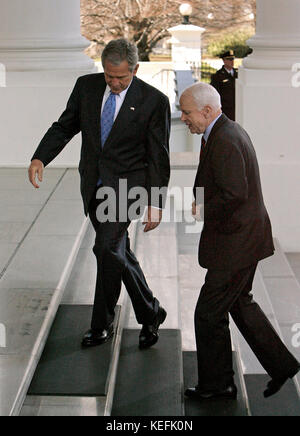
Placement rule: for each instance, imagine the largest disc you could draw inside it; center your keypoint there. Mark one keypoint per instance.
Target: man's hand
(36, 168)
(153, 218)
(198, 211)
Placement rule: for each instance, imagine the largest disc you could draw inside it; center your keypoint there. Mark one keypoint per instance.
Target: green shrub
(206, 72)
(235, 41)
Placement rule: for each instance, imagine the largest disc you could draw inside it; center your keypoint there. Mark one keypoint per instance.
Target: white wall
(25, 115)
(268, 107)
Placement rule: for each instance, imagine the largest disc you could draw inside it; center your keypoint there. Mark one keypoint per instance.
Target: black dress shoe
(97, 337)
(149, 333)
(276, 384)
(195, 393)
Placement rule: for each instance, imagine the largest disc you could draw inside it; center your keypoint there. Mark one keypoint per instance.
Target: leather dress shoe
(197, 394)
(276, 384)
(97, 337)
(149, 333)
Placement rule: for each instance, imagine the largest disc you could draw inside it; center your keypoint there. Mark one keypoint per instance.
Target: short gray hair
(120, 50)
(204, 95)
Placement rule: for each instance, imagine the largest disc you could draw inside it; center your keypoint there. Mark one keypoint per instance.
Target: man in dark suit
(236, 236)
(224, 82)
(125, 126)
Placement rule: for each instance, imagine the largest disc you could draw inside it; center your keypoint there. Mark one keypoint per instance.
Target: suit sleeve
(61, 132)
(229, 170)
(158, 160)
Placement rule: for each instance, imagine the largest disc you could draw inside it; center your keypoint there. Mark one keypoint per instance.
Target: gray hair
(120, 50)
(204, 95)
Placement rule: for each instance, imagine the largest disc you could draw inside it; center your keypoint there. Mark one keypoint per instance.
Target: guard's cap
(227, 54)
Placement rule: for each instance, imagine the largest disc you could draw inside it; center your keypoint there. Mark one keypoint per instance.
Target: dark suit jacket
(224, 83)
(237, 230)
(137, 148)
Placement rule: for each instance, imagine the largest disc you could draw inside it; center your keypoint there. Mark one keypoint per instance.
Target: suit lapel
(127, 112)
(223, 119)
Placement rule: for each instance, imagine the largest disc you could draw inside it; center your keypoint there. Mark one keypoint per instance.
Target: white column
(39, 35)
(41, 56)
(276, 43)
(268, 106)
(186, 52)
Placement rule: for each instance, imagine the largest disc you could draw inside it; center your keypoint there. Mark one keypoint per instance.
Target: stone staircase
(275, 288)
(46, 263)
(41, 232)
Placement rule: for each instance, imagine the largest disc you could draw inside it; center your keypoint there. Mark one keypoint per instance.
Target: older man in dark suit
(125, 126)
(236, 236)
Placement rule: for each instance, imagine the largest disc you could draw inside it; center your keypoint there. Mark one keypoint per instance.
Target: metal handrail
(162, 71)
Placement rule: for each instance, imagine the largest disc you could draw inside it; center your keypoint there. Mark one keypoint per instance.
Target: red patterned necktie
(203, 144)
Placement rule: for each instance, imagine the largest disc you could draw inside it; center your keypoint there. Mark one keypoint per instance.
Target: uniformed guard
(224, 82)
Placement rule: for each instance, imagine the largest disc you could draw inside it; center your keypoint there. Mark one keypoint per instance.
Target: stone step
(47, 227)
(131, 366)
(280, 306)
(283, 290)
(79, 291)
(191, 280)
(277, 291)
(285, 403)
(150, 382)
(215, 407)
(156, 252)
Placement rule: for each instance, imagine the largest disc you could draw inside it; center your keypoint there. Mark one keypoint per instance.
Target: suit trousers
(224, 293)
(116, 263)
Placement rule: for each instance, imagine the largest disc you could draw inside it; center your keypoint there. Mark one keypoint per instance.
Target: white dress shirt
(209, 128)
(230, 71)
(119, 99)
